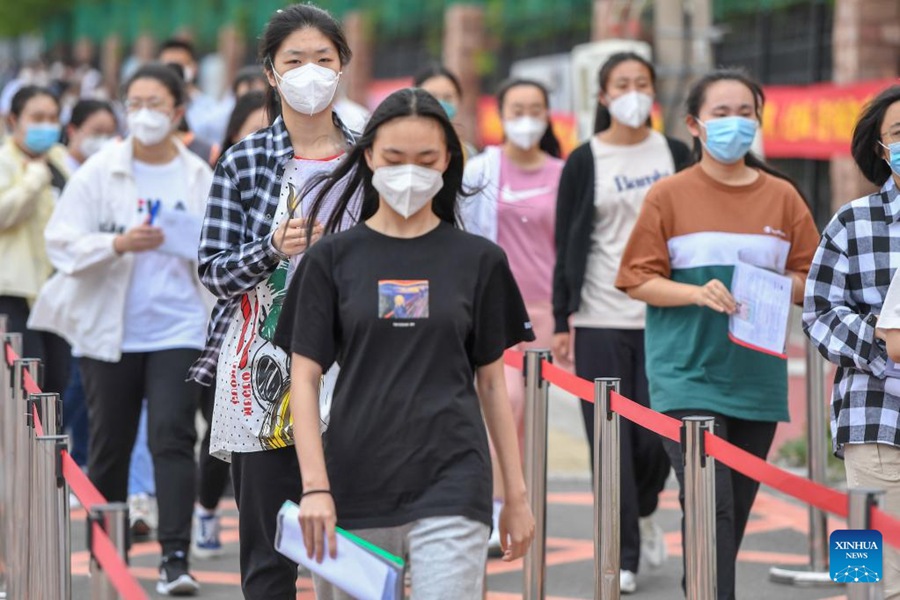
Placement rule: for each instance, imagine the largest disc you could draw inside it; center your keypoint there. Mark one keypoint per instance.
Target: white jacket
(482, 178)
(84, 302)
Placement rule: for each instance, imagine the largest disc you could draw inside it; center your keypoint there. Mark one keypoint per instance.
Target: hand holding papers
(182, 232)
(361, 569)
(764, 305)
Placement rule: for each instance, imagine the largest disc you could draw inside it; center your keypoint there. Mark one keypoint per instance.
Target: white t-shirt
(163, 308)
(622, 177)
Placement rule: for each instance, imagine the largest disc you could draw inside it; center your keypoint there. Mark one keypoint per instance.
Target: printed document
(182, 233)
(361, 569)
(764, 306)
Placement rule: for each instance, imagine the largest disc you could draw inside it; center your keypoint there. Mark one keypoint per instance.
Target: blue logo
(856, 556)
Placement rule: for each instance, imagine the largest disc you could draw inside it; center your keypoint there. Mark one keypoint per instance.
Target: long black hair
(165, 75)
(549, 143)
(286, 21)
(243, 107)
(697, 97)
(356, 176)
(866, 151)
(602, 118)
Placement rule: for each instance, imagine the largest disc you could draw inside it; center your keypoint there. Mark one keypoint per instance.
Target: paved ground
(776, 536)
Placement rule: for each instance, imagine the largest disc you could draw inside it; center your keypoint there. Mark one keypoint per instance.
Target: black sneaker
(174, 579)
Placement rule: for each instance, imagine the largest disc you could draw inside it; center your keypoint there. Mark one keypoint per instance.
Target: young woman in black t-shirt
(412, 308)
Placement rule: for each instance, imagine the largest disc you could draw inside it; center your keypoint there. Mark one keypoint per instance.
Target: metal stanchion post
(4, 457)
(859, 509)
(22, 448)
(607, 558)
(537, 392)
(816, 573)
(53, 509)
(699, 509)
(44, 534)
(113, 519)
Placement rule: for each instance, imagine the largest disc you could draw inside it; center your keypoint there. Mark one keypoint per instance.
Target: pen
(153, 207)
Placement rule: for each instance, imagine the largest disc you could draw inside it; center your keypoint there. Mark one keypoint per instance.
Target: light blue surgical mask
(40, 137)
(449, 108)
(894, 162)
(728, 139)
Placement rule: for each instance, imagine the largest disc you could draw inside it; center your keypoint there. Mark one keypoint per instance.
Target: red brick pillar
(866, 38)
(359, 74)
(464, 39)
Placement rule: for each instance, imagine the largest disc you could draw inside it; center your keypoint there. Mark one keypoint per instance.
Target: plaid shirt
(236, 249)
(848, 281)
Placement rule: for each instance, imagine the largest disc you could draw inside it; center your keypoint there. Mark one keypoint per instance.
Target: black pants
(213, 475)
(52, 350)
(734, 492)
(645, 467)
(262, 482)
(114, 394)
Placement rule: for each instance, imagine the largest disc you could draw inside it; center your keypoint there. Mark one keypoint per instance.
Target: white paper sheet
(181, 230)
(356, 571)
(764, 306)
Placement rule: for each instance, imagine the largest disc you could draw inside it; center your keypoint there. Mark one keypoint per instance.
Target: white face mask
(631, 109)
(524, 132)
(149, 127)
(308, 89)
(92, 145)
(407, 188)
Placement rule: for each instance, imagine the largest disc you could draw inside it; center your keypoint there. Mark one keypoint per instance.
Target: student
(440, 82)
(515, 207)
(134, 310)
(253, 225)
(692, 230)
(93, 124)
(847, 297)
(248, 116)
(203, 119)
(33, 173)
(601, 192)
(404, 462)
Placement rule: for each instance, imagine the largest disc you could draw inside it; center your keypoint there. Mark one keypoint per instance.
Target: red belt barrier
(102, 548)
(809, 492)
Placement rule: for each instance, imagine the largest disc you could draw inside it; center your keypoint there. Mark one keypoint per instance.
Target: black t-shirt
(408, 321)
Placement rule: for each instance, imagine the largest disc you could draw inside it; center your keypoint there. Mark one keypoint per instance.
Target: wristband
(311, 492)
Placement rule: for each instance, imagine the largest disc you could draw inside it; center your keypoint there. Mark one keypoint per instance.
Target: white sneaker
(653, 543)
(205, 542)
(627, 582)
(142, 514)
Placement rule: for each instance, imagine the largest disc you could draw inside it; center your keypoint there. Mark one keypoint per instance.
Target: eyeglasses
(135, 104)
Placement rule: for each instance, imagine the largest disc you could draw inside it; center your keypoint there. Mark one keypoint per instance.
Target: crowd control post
(4, 459)
(816, 573)
(859, 509)
(699, 509)
(607, 557)
(537, 392)
(23, 440)
(113, 519)
(51, 546)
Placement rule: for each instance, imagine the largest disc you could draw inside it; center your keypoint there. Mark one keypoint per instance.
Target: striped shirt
(848, 281)
(692, 229)
(236, 250)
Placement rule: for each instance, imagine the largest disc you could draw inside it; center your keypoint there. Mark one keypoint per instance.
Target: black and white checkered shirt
(848, 281)
(236, 249)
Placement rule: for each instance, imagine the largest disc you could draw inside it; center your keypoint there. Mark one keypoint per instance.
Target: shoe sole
(183, 586)
(140, 529)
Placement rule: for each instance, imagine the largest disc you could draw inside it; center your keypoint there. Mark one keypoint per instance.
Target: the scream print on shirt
(402, 299)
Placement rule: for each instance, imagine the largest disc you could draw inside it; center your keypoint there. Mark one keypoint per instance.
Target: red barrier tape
(113, 565)
(102, 547)
(809, 492)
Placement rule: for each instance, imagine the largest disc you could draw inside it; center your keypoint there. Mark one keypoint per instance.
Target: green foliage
(793, 453)
(19, 17)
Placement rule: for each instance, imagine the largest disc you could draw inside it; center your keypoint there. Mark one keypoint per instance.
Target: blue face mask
(728, 139)
(449, 108)
(40, 137)
(894, 162)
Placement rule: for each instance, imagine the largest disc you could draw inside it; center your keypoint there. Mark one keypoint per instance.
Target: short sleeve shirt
(408, 321)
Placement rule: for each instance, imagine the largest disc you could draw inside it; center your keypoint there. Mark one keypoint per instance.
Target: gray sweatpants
(446, 557)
